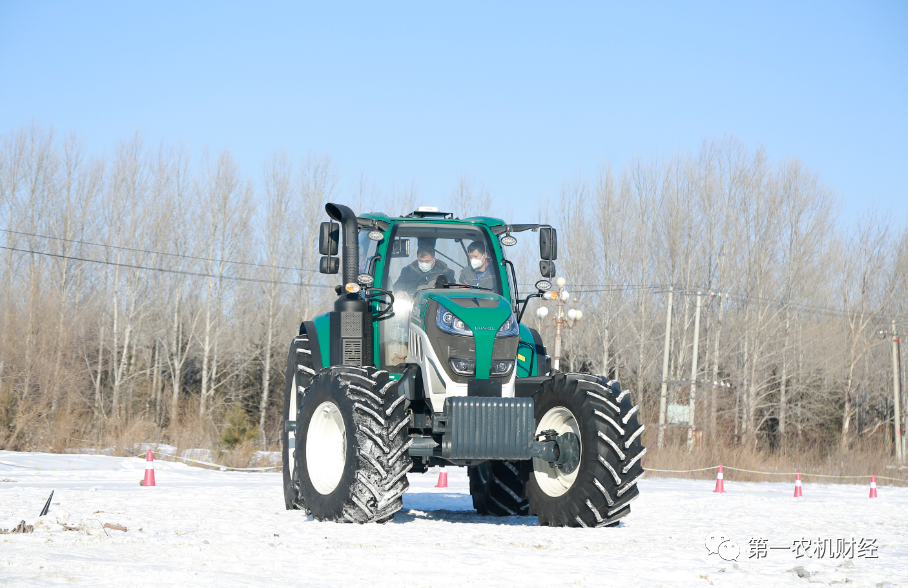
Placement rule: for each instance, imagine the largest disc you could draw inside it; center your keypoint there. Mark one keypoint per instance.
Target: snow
(210, 528)
(89, 450)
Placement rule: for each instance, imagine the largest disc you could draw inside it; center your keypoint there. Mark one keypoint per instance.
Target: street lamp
(561, 319)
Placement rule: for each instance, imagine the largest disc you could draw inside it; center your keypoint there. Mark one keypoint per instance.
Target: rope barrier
(682, 471)
(277, 467)
(867, 476)
(159, 454)
(219, 466)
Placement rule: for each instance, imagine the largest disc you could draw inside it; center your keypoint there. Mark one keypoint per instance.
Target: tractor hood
(482, 312)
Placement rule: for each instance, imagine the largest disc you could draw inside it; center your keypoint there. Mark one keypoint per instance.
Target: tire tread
(612, 452)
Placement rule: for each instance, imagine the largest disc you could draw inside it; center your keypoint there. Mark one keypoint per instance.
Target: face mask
(424, 267)
(476, 263)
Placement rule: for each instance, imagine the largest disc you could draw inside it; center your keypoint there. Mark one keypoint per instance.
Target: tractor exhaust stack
(349, 229)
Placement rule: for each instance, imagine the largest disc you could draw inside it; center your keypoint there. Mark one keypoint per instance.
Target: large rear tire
(351, 452)
(598, 492)
(296, 380)
(497, 489)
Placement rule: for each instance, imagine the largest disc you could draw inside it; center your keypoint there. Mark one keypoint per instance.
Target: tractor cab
(430, 262)
(424, 258)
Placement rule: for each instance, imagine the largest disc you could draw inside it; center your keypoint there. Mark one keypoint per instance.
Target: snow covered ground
(201, 527)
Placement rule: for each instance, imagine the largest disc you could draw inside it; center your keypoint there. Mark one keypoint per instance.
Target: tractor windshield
(418, 254)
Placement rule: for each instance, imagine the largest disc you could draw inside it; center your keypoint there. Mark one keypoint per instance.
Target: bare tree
(278, 207)
(226, 205)
(142, 292)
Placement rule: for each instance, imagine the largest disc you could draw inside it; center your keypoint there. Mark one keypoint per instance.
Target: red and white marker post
(798, 493)
(720, 481)
(872, 486)
(149, 470)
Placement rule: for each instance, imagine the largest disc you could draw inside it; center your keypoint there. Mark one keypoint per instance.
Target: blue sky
(518, 96)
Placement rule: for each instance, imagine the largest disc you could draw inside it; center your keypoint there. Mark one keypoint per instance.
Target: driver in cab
(479, 272)
(423, 271)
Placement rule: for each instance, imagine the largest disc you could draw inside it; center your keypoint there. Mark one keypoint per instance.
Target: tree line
(147, 293)
(794, 297)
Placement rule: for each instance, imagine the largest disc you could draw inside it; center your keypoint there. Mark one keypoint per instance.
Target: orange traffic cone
(798, 485)
(442, 479)
(720, 481)
(872, 486)
(149, 469)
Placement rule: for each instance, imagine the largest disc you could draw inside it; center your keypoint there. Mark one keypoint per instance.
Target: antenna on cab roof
(429, 212)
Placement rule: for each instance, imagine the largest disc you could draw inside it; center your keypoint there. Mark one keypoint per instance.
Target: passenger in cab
(479, 272)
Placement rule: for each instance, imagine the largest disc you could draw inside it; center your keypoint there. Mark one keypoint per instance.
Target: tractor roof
(432, 216)
(497, 225)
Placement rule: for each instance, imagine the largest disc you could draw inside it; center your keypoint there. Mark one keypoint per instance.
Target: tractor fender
(311, 329)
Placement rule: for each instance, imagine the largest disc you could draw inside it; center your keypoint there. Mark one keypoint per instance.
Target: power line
(165, 270)
(598, 288)
(810, 308)
(153, 252)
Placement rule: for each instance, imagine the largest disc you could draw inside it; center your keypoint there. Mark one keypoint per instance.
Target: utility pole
(664, 392)
(896, 392)
(693, 376)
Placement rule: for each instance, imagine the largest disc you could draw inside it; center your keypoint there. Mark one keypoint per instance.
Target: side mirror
(548, 244)
(328, 236)
(329, 265)
(547, 269)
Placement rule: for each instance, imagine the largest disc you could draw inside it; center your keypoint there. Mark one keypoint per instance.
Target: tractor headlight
(510, 328)
(501, 367)
(463, 367)
(449, 323)
(402, 306)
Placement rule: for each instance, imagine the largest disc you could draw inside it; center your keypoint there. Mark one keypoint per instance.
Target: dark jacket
(484, 279)
(411, 277)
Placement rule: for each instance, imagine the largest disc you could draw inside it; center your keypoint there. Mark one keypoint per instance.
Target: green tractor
(424, 362)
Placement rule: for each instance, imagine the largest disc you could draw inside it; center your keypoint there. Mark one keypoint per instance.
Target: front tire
(598, 492)
(296, 380)
(351, 454)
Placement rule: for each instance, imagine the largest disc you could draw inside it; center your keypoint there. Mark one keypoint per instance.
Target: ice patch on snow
(265, 458)
(198, 454)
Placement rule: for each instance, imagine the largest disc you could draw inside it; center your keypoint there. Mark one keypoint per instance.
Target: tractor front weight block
(478, 429)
